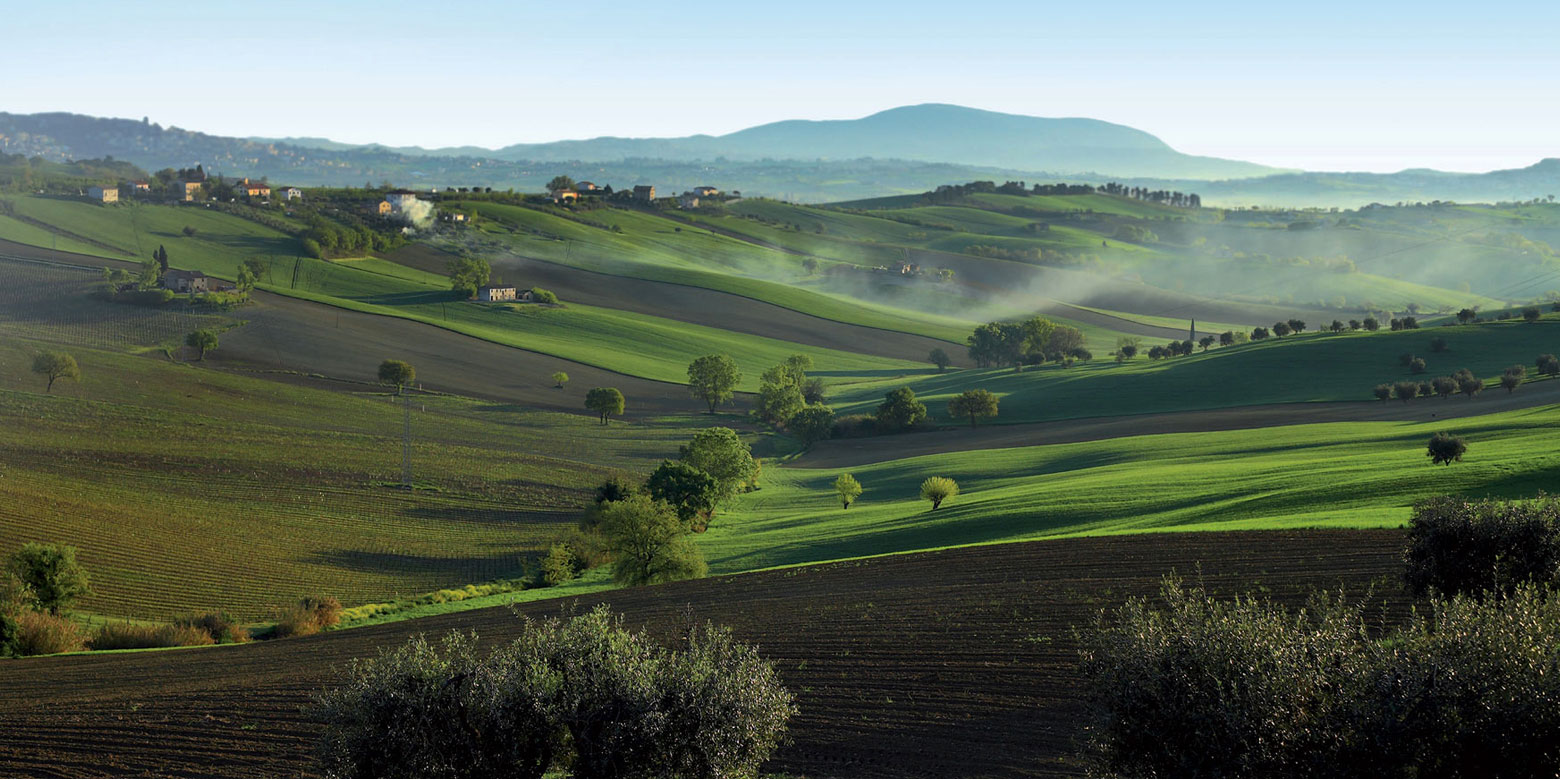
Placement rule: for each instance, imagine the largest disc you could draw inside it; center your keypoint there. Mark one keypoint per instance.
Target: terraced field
(959, 663)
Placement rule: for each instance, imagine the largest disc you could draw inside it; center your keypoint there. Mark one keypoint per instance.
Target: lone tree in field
(202, 341)
(54, 366)
(1548, 365)
(848, 490)
(1445, 448)
(560, 379)
(1466, 316)
(1531, 314)
(51, 575)
(973, 404)
(1417, 366)
(713, 378)
(938, 489)
(397, 374)
(604, 401)
(1382, 392)
(939, 358)
(649, 543)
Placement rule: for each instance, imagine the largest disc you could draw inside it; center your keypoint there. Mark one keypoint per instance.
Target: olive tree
(577, 696)
(1445, 448)
(939, 358)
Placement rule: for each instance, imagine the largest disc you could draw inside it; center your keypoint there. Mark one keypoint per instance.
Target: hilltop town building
(643, 192)
(104, 194)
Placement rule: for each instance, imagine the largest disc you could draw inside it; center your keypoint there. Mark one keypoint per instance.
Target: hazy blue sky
(1324, 85)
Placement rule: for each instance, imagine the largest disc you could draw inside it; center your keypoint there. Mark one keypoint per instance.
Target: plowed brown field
(951, 663)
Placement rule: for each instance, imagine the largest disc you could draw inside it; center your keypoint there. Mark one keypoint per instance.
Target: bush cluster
(1200, 687)
(1457, 546)
(220, 626)
(581, 697)
(128, 636)
(311, 615)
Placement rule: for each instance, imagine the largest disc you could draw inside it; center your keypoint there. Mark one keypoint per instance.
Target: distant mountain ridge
(907, 132)
(931, 132)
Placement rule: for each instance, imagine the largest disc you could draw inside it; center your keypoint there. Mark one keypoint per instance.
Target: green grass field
(189, 489)
(1327, 475)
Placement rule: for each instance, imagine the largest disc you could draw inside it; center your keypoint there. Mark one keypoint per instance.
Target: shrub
(540, 295)
(127, 636)
(1438, 344)
(1457, 546)
(900, 410)
(39, 633)
(1201, 687)
(558, 566)
(311, 615)
(579, 697)
(220, 626)
(854, 426)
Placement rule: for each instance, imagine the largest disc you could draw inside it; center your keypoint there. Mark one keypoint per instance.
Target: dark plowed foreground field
(952, 663)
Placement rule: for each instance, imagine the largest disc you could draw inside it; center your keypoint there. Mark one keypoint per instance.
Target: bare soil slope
(953, 663)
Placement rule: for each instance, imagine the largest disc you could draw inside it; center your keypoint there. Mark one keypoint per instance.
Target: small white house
(292, 193)
(104, 194)
(495, 293)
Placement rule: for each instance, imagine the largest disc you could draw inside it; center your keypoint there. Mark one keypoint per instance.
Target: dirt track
(954, 663)
(851, 452)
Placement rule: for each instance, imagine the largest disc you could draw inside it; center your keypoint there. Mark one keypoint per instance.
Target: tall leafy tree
(713, 378)
(648, 542)
(973, 404)
(397, 374)
(722, 454)
(51, 575)
(605, 402)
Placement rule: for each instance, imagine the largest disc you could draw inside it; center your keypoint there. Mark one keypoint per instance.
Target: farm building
(187, 189)
(252, 189)
(104, 194)
(136, 187)
(493, 293)
(586, 186)
(383, 208)
(187, 281)
(688, 200)
(292, 193)
(400, 200)
(644, 192)
(706, 191)
(563, 196)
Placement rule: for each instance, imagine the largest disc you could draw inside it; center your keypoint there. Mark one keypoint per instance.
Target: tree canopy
(713, 378)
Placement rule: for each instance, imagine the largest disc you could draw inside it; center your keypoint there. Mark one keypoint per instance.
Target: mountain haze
(931, 132)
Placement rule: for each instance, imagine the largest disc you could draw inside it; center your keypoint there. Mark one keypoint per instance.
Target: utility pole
(406, 441)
